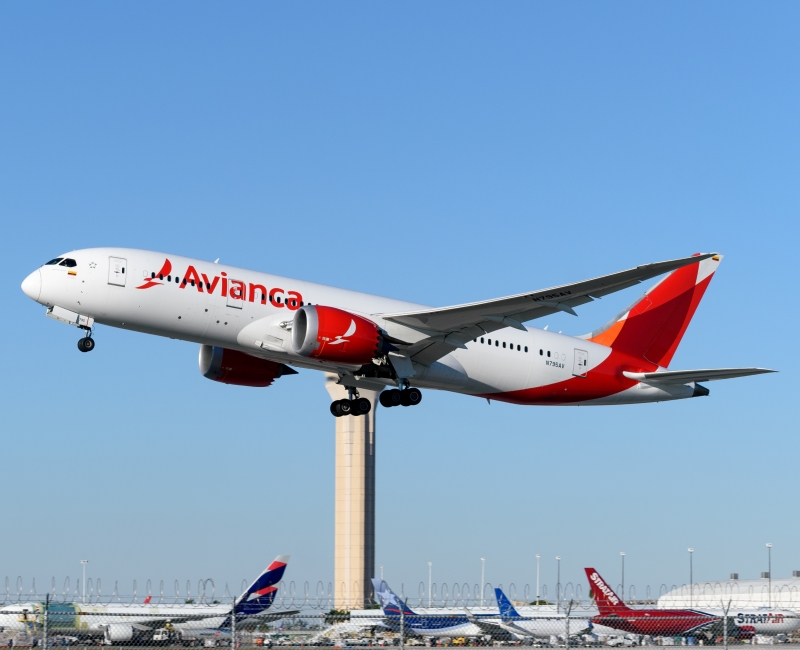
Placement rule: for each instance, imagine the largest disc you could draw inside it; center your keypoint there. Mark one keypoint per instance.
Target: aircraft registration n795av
(254, 327)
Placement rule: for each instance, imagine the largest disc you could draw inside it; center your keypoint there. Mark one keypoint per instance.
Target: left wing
(448, 328)
(686, 376)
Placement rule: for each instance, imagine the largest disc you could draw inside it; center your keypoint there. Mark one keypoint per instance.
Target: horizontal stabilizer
(686, 376)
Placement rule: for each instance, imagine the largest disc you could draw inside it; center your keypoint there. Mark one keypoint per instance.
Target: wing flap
(686, 376)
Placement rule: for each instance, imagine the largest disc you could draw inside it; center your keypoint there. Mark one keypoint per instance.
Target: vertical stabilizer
(652, 328)
(504, 605)
(607, 601)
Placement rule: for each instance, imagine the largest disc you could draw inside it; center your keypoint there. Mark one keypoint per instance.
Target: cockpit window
(69, 262)
(55, 261)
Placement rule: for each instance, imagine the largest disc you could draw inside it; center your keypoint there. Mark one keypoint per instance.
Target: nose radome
(32, 285)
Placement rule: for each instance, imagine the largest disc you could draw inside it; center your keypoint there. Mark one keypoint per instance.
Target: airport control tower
(354, 543)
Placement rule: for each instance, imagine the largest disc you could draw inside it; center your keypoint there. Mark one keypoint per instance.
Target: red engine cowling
(335, 335)
(238, 368)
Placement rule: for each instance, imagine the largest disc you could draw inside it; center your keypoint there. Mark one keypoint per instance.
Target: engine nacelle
(335, 335)
(117, 633)
(237, 368)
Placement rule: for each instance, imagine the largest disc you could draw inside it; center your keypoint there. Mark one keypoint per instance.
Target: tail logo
(344, 338)
(603, 588)
(159, 277)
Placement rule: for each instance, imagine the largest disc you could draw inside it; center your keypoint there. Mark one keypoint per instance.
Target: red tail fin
(147, 600)
(607, 601)
(653, 327)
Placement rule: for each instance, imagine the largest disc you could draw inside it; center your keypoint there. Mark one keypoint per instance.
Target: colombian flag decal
(72, 273)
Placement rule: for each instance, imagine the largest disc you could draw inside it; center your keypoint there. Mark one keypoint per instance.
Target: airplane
(254, 327)
(540, 625)
(125, 623)
(709, 623)
(437, 624)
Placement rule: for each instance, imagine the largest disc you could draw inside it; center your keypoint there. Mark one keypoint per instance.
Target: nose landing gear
(86, 344)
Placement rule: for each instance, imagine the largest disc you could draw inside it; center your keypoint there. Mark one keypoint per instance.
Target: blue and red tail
(260, 595)
(652, 328)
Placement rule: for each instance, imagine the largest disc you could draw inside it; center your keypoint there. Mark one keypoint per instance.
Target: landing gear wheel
(411, 397)
(390, 398)
(86, 344)
(361, 406)
(342, 407)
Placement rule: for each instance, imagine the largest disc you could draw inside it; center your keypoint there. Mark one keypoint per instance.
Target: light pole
(430, 573)
(691, 578)
(381, 573)
(769, 571)
(622, 555)
(537, 578)
(84, 563)
(558, 584)
(483, 575)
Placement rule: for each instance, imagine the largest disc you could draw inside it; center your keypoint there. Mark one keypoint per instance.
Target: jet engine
(117, 633)
(234, 367)
(335, 335)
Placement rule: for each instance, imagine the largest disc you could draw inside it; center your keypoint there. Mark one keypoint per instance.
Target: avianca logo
(603, 588)
(159, 277)
(344, 337)
(235, 289)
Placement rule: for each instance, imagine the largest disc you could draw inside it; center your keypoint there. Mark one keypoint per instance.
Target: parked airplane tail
(604, 597)
(388, 600)
(260, 595)
(652, 328)
(504, 605)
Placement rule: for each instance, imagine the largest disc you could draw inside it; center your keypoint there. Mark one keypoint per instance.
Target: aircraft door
(236, 290)
(116, 271)
(581, 364)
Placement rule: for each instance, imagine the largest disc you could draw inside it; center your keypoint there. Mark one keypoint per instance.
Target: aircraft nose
(32, 285)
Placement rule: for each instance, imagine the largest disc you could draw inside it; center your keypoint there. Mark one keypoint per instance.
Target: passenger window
(504, 344)
(278, 298)
(548, 353)
(153, 275)
(541, 353)
(518, 349)
(55, 261)
(490, 341)
(160, 276)
(482, 341)
(526, 348)
(496, 343)
(169, 278)
(193, 285)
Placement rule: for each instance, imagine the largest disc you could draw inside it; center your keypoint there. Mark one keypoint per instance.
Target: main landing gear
(86, 344)
(407, 397)
(354, 406)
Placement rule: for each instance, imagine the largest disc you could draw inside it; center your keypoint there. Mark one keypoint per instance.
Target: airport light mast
(483, 576)
(769, 571)
(537, 578)
(83, 564)
(691, 552)
(558, 584)
(622, 555)
(430, 573)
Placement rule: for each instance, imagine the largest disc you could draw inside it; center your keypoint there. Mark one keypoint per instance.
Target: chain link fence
(197, 615)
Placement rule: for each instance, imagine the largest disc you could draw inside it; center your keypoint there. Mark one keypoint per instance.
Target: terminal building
(783, 593)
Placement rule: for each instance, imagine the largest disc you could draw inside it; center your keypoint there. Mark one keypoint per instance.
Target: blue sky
(439, 153)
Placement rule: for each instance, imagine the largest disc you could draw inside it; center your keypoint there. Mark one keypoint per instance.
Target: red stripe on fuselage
(604, 380)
